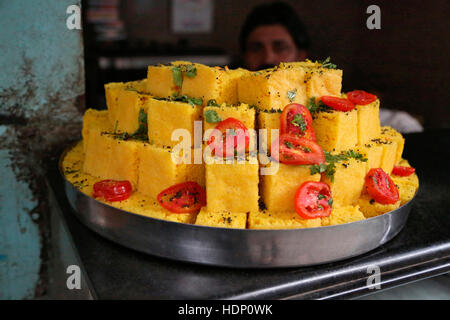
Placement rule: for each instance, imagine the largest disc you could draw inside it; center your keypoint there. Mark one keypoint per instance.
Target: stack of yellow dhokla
(132, 140)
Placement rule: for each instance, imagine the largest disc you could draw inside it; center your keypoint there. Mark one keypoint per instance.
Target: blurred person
(273, 33)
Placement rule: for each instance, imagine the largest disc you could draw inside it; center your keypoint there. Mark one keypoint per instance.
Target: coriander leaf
(195, 101)
(177, 76)
(190, 70)
(298, 121)
(327, 63)
(291, 95)
(211, 116)
(289, 145)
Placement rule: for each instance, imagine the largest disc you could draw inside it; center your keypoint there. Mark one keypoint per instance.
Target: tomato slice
(292, 149)
(403, 171)
(112, 190)
(381, 187)
(339, 104)
(313, 200)
(235, 138)
(186, 197)
(296, 119)
(361, 97)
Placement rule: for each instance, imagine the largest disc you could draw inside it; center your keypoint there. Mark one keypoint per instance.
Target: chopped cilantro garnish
(211, 116)
(190, 70)
(314, 107)
(177, 76)
(289, 145)
(298, 121)
(329, 167)
(327, 63)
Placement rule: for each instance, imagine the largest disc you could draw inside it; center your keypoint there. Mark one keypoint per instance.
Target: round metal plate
(239, 248)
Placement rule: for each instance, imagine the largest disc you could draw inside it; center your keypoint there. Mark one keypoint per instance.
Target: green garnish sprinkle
(211, 116)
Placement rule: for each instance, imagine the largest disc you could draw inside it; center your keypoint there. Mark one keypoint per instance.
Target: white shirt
(400, 121)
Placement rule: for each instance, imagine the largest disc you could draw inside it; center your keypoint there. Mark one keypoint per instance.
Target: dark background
(406, 63)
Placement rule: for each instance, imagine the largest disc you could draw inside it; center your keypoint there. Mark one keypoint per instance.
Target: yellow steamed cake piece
(165, 116)
(232, 187)
(107, 157)
(236, 220)
(268, 120)
(278, 190)
(157, 171)
(392, 134)
(280, 220)
(141, 204)
(373, 152)
(241, 112)
(348, 181)
(273, 88)
(407, 186)
(96, 120)
(336, 130)
(368, 122)
(389, 154)
(370, 208)
(130, 105)
(206, 82)
(340, 215)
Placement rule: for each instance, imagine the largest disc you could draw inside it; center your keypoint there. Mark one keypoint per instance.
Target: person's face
(269, 45)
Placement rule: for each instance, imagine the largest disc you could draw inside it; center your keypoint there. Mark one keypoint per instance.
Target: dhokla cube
(214, 114)
(232, 187)
(392, 134)
(373, 152)
(340, 215)
(194, 80)
(407, 186)
(165, 116)
(129, 105)
(336, 130)
(273, 88)
(110, 158)
(347, 182)
(141, 204)
(95, 120)
(368, 121)
(389, 154)
(323, 82)
(266, 219)
(236, 220)
(278, 189)
(113, 89)
(268, 120)
(370, 208)
(158, 170)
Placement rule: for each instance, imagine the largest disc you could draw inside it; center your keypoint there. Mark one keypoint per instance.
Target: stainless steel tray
(235, 247)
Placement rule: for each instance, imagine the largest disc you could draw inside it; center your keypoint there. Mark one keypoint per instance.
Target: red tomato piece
(313, 200)
(235, 138)
(292, 149)
(339, 104)
(361, 97)
(381, 187)
(186, 197)
(403, 171)
(112, 190)
(296, 119)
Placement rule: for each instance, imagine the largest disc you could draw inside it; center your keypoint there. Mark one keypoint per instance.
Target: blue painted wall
(41, 98)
